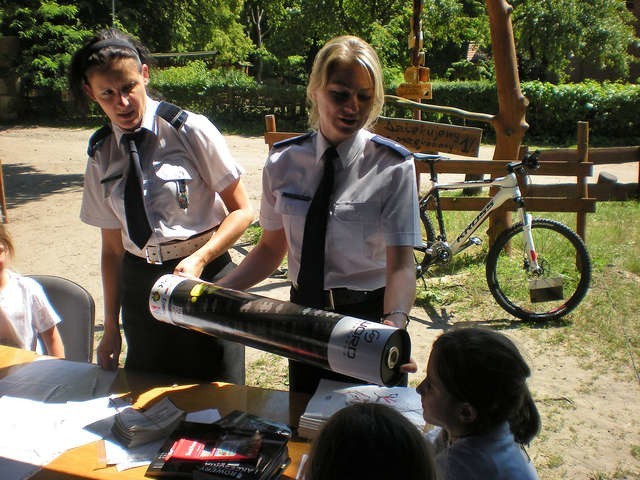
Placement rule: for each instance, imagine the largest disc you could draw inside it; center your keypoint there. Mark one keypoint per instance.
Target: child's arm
(53, 342)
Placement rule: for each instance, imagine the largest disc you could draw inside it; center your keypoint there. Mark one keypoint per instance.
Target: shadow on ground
(23, 183)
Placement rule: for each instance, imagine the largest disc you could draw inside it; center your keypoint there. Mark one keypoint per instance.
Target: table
(82, 462)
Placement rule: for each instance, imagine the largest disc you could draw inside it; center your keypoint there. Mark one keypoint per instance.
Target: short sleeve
(43, 314)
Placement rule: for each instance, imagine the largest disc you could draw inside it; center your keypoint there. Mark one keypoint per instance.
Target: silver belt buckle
(153, 254)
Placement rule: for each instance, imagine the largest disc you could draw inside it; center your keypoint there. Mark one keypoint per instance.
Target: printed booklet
(238, 446)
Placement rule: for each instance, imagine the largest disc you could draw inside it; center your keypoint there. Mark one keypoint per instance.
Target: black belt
(337, 297)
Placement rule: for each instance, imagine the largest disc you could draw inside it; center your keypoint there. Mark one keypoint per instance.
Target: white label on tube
(161, 294)
(356, 346)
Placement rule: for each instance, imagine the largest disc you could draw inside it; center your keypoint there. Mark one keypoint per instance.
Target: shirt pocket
(170, 186)
(358, 224)
(293, 208)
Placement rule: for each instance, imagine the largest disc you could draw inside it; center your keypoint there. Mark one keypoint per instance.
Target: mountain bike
(537, 269)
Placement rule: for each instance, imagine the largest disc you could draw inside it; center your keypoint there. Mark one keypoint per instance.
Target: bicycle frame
(507, 189)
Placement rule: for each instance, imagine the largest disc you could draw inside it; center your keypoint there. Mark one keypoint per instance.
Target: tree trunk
(509, 123)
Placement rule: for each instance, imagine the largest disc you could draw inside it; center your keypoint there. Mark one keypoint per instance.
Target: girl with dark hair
(475, 392)
(369, 441)
(162, 186)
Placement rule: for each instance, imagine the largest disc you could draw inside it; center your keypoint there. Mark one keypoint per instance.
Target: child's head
(369, 441)
(111, 69)
(476, 379)
(6, 247)
(348, 71)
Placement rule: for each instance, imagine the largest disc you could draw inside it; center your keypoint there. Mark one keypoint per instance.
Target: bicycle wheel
(554, 291)
(428, 237)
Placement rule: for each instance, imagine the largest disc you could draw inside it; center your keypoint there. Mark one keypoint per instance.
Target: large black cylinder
(359, 348)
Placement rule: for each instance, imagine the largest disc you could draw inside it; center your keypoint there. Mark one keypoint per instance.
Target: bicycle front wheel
(554, 290)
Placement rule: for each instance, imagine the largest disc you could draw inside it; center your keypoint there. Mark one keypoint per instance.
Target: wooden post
(582, 183)
(509, 123)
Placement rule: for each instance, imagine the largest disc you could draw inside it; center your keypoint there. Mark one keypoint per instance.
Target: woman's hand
(410, 367)
(108, 352)
(191, 266)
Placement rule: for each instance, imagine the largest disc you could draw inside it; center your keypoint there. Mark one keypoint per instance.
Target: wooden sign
(421, 136)
(415, 91)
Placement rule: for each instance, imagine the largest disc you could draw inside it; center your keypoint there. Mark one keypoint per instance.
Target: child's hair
(369, 441)
(485, 368)
(346, 49)
(100, 51)
(6, 241)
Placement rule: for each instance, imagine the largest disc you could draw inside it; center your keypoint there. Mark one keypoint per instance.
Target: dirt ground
(590, 421)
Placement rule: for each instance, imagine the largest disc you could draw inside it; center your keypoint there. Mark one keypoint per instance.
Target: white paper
(208, 415)
(55, 380)
(35, 433)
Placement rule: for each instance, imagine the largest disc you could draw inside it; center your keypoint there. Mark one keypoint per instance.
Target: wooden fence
(576, 195)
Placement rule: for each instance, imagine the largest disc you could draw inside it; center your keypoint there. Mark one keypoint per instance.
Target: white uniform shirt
(25, 311)
(194, 156)
(374, 205)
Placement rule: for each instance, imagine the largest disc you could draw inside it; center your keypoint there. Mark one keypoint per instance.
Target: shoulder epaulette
(97, 138)
(173, 114)
(395, 146)
(293, 140)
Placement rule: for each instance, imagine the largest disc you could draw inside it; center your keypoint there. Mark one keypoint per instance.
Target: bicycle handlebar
(529, 162)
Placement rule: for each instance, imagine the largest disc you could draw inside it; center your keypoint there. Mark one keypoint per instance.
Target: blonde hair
(346, 49)
(5, 239)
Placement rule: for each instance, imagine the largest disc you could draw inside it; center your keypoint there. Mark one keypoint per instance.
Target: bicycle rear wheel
(428, 237)
(546, 295)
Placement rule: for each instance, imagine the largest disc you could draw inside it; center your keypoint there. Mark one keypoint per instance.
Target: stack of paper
(134, 427)
(331, 396)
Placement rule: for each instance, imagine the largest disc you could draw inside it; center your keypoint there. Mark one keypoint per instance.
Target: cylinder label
(356, 346)
(159, 298)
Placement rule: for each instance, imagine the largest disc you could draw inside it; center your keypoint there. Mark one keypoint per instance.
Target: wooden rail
(576, 196)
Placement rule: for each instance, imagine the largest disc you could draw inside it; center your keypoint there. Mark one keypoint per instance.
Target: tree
(262, 17)
(48, 33)
(555, 36)
(189, 25)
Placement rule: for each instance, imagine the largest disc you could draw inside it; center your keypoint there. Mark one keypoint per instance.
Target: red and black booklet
(238, 446)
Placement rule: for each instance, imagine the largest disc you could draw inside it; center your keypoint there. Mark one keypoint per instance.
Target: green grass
(606, 321)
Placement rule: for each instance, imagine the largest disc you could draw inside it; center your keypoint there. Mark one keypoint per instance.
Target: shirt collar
(148, 119)
(348, 150)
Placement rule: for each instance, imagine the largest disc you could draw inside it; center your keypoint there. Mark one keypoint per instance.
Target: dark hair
(370, 441)
(100, 51)
(485, 368)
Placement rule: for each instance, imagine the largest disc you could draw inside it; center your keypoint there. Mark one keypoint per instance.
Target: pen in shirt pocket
(296, 196)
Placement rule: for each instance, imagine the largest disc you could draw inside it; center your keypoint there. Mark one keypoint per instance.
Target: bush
(554, 110)
(230, 98)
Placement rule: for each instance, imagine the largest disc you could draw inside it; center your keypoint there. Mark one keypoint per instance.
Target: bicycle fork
(532, 257)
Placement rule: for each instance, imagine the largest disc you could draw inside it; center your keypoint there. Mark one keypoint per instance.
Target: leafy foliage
(585, 35)
(47, 33)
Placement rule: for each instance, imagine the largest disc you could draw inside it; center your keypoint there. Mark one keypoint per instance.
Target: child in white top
(25, 311)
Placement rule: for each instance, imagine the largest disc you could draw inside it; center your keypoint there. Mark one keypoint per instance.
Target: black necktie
(137, 222)
(311, 275)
